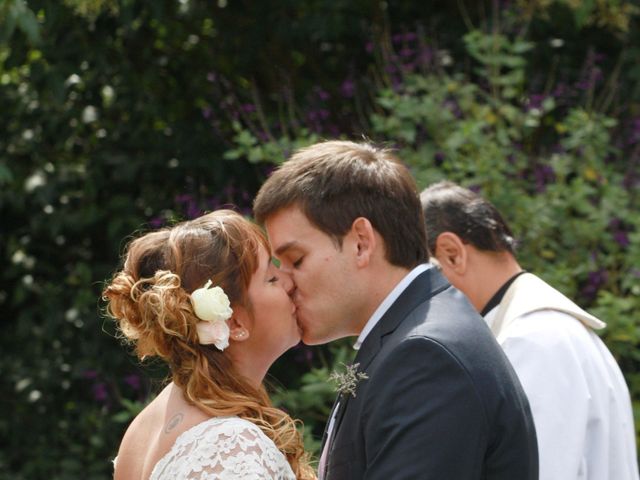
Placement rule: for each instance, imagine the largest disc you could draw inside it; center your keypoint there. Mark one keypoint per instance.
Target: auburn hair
(149, 299)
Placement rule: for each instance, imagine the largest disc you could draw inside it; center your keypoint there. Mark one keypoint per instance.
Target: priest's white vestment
(579, 399)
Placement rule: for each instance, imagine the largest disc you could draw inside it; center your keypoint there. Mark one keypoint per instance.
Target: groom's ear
(364, 240)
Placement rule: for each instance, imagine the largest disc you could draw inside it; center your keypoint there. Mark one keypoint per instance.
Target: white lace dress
(220, 449)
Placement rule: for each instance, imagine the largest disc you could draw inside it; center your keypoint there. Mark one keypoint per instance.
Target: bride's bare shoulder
(153, 432)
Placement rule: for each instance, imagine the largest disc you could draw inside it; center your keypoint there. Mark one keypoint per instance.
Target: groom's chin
(310, 340)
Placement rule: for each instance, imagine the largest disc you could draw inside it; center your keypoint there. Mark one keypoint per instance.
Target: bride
(205, 297)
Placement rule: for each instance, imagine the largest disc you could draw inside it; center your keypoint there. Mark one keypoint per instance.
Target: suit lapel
(425, 286)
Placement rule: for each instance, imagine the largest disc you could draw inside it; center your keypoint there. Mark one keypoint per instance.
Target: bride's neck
(251, 369)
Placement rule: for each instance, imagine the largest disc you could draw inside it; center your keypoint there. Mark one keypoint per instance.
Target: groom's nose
(287, 283)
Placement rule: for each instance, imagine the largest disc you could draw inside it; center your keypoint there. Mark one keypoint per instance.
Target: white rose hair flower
(212, 307)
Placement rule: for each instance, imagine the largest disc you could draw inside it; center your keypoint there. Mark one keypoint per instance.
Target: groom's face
(322, 273)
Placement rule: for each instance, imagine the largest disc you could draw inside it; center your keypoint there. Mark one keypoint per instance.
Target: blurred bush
(121, 116)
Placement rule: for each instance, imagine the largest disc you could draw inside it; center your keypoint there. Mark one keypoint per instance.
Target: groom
(436, 397)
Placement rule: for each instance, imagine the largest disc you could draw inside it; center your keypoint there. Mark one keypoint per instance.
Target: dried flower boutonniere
(347, 382)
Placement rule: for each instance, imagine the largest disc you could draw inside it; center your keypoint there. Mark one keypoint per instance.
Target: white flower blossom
(36, 180)
(89, 114)
(212, 306)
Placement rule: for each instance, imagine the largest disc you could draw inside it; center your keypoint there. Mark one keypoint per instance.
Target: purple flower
(206, 112)
(595, 280)
(407, 52)
(564, 94)
(348, 88)
(157, 222)
(100, 392)
(535, 101)
(133, 381)
(248, 107)
(322, 94)
(619, 232)
(544, 174)
(89, 374)
(212, 77)
(621, 238)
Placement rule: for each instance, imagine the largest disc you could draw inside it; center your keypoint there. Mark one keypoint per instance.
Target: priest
(578, 396)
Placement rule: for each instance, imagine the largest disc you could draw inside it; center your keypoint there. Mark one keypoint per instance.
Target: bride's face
(275, 328)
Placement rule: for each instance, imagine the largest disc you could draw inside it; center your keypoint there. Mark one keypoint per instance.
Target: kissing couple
(436, 396)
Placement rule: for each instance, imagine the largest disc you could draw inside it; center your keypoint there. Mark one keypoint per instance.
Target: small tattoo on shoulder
(173, 423)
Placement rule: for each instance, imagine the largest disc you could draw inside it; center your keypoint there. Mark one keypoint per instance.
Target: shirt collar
(499, 295)
(388, 301)
(490, 316)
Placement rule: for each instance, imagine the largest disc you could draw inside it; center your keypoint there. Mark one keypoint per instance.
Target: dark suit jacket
(441, 400)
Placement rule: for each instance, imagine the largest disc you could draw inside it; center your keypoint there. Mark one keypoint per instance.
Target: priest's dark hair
(448, 207)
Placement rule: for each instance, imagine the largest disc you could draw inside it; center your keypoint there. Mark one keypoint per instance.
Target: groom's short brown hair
(335, 182)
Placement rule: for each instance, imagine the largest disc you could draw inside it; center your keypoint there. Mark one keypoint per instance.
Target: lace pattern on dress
(221, 449)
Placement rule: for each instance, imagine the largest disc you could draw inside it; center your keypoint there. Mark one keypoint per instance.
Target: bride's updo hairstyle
(150, 302)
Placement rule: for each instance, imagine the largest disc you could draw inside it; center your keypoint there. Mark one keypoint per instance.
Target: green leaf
(28, 23)
(5, 175)
(583, 12)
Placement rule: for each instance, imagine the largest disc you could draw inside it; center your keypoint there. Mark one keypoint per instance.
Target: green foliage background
(122, 115)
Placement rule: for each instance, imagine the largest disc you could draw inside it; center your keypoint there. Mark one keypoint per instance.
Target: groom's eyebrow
(284, 247)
